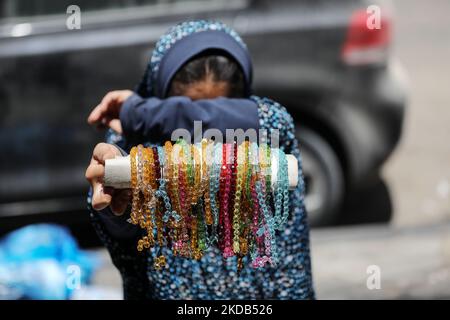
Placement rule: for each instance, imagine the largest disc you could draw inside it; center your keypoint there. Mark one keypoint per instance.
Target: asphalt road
(418, 173)
(412, 251)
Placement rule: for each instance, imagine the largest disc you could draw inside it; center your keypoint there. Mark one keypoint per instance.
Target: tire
(373, 199)
(324, 178)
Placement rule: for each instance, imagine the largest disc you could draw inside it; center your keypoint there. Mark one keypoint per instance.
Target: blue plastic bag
(43, 261)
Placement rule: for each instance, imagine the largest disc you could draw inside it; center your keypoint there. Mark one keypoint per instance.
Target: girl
(199, 70)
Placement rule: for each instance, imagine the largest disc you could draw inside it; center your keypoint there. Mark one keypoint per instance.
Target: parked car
(318, 58)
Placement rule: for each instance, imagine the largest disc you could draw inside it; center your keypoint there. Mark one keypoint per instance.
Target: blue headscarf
(183, 42)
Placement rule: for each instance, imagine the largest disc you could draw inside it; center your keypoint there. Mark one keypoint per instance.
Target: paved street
(418, 174)
(413, 262)
(413, 252)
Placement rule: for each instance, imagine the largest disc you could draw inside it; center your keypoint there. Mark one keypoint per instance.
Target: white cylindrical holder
(118, 172)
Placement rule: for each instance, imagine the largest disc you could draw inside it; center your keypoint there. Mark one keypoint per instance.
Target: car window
(32, 8)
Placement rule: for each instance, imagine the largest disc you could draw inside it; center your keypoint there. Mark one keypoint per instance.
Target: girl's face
(208, 77)
(204, 89)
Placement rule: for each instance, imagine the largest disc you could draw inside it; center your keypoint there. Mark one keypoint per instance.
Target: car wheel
(324, 178)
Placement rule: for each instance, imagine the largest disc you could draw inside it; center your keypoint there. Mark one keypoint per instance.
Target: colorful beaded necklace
(190, 197)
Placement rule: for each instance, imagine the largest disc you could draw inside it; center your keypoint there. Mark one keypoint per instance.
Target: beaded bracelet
(135, 190)
(281, 191)
(214, 181)
(146, 164)
(237, 199)
(184, 197)
(168, 170)
(205, 186)
(225, 194)
(189, 197)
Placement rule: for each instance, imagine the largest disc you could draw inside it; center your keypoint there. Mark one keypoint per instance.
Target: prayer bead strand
(189, 197)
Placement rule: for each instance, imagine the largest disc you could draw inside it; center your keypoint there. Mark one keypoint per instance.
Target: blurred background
(366, 82)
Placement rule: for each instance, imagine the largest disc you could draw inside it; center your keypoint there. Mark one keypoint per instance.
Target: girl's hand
(102, 196)
(106, 114)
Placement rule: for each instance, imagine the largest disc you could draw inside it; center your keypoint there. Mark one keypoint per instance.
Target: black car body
(348, 104)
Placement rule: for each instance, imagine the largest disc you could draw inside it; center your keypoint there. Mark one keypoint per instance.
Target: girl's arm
(153, 120)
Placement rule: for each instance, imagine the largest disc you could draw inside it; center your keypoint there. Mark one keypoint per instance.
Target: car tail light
(366, 45)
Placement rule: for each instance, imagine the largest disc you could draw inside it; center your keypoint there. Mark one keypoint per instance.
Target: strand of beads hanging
(188, 198)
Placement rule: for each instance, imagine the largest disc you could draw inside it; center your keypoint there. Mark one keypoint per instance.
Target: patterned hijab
(184, 41)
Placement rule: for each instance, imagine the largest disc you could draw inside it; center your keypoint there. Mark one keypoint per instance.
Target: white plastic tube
(118, 172)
